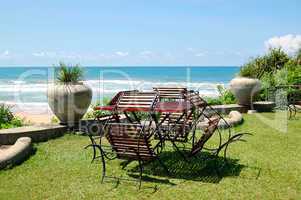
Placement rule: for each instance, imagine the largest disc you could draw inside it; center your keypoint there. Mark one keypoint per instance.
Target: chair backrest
(195, 99)
(177, 125)
(176, 118)
(115, 99)
(144, 100)
(208, 132)
(171, 93)
(130, 141)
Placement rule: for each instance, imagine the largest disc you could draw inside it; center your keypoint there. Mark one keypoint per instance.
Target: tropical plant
(213, 101)
(298, 57)
(7, 118)
(225, 97)
(92, 114)
(68, 74)
(5, 114)
(274, 69)
(257, 67)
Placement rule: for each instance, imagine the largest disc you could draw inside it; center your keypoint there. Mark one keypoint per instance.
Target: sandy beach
(32, 118)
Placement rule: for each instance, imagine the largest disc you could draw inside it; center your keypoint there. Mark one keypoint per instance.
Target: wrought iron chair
(96, 130)
(286, 97)
(214, 119)
(130, 142)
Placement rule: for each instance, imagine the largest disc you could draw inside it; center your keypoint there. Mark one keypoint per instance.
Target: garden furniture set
(153, 119)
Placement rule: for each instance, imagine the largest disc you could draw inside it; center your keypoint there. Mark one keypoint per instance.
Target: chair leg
(290, 112)
(103, 167)
(295, 110)
(140, 175)
(94, 151)
(103, 163)
(92, 145)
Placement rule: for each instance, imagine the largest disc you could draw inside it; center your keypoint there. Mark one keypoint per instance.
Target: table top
(177, 106)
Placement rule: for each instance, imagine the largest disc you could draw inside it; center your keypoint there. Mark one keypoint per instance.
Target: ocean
(27, 86)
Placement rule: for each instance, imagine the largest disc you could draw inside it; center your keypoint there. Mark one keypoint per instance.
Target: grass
(268, 166)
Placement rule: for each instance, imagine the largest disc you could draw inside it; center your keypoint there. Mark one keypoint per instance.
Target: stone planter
(264, 106)
(69, 102)
(244, 89)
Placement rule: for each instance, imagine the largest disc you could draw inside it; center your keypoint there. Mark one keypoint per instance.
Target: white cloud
(122, 54)
(46, 54)
(5, 53)
(289, 43)
(58, 55)
(146, 53)
(39, 54)
(200, 54)
(197, 53)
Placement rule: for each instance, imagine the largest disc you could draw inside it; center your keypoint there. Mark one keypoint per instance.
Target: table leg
(158, 130)
(128, 117)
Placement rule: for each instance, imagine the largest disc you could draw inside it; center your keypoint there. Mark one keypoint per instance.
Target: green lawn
(268, 166)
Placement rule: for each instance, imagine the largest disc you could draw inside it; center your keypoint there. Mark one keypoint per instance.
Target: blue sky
(141, 32)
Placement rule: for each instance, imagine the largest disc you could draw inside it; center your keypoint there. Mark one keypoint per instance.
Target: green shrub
(298, 57)
(55, 120)
(274, 69)
(213, 101)
(7, 118)
(6, 115)
(257, 67)
(68, 74)
(225, 97)
(98, 113)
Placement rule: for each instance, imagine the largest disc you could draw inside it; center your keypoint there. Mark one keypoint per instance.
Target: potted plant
(69, 98)
(244, 89)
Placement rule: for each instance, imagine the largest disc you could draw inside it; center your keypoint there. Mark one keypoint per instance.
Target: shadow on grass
(203, 167)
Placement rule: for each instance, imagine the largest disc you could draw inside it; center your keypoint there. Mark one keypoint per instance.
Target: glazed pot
(244, 89)
(69, 102)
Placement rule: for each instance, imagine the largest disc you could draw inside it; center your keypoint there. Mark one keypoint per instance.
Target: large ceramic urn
(244, 89)
(69, 101)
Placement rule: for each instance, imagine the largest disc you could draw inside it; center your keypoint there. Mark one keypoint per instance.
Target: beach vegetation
(225, 97)
(275, 68)
(55, 120)
(68, 73)
(7, 118)
(270, 63)
(92, 114)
